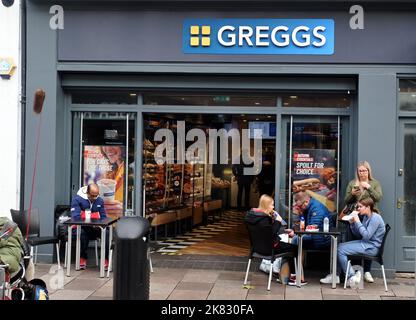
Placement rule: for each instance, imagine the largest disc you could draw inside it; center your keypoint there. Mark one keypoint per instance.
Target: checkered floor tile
(172, 246)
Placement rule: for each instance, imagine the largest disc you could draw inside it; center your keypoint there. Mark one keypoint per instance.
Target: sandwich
(306, 184)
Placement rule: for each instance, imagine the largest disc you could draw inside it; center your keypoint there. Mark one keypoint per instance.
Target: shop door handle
(400, 202)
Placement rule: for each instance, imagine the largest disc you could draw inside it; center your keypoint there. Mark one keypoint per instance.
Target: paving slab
(71, 294)
(179, 294)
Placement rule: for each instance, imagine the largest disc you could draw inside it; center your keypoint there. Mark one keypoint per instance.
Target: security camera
(7, 3)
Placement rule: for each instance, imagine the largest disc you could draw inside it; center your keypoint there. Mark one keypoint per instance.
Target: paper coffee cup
(107, 188)
(87, 216)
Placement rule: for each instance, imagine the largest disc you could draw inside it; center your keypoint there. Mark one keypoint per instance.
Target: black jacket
(260, 218)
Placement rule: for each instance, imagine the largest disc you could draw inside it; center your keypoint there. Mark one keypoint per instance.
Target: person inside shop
(314, 213)
(369, 232)
(264, 216)
(266, 177)
(88, 202)
(114, 207)
(363, 186)
(244, 181)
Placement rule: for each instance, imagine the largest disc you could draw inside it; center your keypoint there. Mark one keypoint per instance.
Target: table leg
(331, 252)
(68, 252)
(78, 248)
(102, 258)
(334, 262)
(299, 271)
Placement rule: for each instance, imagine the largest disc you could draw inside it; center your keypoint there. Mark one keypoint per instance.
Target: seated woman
(265, 216)
(370, 231)
(11, 248)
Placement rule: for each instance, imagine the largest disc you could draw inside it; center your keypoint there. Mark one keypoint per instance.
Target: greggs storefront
(156, 101)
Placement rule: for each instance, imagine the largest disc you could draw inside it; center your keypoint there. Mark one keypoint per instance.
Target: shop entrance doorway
(406, 197)
(193, 172)
(103, 152)
(312, 149)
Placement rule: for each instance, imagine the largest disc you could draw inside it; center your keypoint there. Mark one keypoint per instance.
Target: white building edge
(10, 110)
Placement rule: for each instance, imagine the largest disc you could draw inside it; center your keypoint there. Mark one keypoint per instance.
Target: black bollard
(131, 263)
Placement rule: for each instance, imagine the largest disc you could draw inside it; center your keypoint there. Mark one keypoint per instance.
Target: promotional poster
(104, 165)
(314, 171)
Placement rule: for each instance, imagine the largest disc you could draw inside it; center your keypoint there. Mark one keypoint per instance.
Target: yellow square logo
(194, 30)
(194, 41)
(206, 30)
(206, 41)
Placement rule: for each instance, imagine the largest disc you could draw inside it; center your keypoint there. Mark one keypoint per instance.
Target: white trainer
(368, 277)
(328, 279)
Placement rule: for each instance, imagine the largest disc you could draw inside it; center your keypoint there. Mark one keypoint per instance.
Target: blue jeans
(350, 248)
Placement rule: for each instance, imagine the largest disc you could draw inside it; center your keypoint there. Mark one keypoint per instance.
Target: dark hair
(368, 202)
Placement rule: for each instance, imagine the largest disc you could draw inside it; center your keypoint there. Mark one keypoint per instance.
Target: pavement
(190, 283)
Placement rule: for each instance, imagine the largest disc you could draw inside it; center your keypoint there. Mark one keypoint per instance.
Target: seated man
(11, 248)
(87, 198)
(314, 212)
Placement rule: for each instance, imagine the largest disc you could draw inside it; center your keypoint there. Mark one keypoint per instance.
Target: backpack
(61, 229)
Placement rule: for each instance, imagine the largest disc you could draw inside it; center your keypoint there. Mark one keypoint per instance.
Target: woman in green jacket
(362, 187)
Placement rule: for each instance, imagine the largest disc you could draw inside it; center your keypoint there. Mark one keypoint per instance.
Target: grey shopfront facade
(138, 46)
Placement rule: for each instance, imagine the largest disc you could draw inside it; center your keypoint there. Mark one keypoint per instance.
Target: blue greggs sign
(258, 36)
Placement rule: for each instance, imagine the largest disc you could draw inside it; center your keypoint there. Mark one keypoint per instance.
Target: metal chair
(261, 243)
(378, 258)
(34, 239)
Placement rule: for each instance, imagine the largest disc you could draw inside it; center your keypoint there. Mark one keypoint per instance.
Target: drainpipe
(22, 102)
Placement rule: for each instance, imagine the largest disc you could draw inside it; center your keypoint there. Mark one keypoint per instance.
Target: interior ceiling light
(293, 97)
(133, 94)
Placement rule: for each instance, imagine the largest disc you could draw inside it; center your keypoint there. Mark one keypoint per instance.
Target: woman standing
(364, 186)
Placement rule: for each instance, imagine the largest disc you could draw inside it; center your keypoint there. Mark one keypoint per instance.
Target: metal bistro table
(103, 224)
(334, 234)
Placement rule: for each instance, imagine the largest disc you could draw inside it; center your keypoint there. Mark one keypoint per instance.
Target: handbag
(347, 210)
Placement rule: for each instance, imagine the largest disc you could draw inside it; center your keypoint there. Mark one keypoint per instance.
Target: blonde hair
(264, 202)
(366, 165)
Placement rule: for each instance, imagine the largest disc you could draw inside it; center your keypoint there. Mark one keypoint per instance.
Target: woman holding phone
(364, 186)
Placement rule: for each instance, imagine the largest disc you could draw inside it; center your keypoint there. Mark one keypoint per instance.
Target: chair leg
(110, 263)
(96, 252)
(66, 252)
(248, 269)
(150, 264)
(384, 278)
(57, 255)
(346, 274)
(36, 255)
(296, 265)
(270, 276)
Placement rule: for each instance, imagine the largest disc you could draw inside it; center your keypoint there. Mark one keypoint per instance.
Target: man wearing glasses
(86, 205)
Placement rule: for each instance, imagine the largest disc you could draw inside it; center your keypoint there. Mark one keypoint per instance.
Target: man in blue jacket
(314, 212)
(87, 198)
